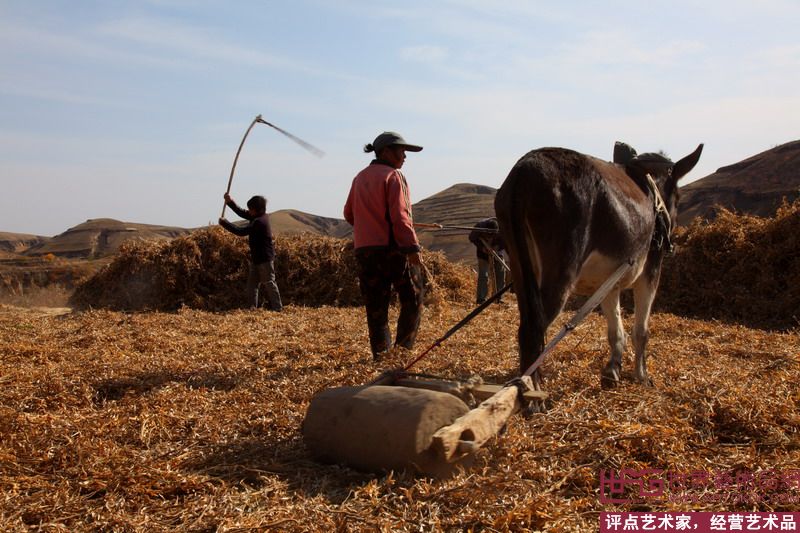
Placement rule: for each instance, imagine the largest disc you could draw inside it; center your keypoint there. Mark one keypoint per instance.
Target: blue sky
(134, 109)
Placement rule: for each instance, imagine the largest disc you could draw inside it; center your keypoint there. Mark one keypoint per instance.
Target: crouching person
(262, 249)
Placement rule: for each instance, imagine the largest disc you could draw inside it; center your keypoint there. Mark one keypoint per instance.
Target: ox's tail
(513, 215)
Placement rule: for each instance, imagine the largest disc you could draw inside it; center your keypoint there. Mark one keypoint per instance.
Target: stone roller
(409, 427)
(399, 422)
(423, 425)
(381, 427)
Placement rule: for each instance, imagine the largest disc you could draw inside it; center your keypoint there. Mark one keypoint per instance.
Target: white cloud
(50, 44)
(785, 57)
(199, 45)
(429, 54)
(478, 82)
(600, 48)
(31, 89)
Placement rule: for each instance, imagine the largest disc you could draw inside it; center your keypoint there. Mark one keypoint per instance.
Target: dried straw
(189, 421)
(740, 268)
(208, 270)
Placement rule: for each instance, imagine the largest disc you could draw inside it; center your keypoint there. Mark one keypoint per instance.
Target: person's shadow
(114, 389)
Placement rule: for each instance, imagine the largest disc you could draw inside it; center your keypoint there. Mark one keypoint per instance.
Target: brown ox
(569, 221)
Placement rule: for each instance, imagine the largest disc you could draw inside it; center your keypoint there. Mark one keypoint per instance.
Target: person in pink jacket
(386, 246)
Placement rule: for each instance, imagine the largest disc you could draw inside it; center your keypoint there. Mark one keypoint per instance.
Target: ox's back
(562, 209)
(559, 211)
(569, 221)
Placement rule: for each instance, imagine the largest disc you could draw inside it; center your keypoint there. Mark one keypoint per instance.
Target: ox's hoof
(534, 407)
(607, 383)
(645, 381)
(609, 377)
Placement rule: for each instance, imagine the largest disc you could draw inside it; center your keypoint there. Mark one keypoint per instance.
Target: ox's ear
(685, 165)
(623, 153)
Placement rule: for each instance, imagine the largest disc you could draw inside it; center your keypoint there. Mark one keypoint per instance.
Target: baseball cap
(390, 138)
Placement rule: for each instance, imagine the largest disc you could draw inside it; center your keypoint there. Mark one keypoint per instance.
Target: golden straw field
(190, 421)
(159, 406)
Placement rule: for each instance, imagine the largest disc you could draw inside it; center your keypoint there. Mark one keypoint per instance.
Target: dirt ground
(189, 421)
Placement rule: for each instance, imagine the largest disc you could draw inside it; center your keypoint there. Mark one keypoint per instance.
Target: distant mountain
(755, 185)
(463, 205)
(15, 243)
(101, 237)
(460, 205)
(292, 222)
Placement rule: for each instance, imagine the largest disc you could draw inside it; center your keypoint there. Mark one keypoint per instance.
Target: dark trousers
(488, 268)
(263, 274)
(378, 272)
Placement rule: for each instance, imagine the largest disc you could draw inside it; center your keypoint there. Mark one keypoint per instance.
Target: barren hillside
(16, 243)
(101, 237)
(293, 222)
(463, 204)
(754, 186)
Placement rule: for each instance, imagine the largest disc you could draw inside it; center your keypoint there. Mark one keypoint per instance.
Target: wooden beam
(481, 392)
(439, 385)
(472, 430)
(487, 390)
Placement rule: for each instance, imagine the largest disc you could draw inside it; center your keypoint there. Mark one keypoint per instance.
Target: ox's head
(665, 173)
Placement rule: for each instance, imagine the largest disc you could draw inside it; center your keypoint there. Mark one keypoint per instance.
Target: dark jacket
(258, 232)
(493, 238)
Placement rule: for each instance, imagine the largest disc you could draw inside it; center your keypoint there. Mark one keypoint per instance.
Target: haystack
(208, 269)
(739, 268)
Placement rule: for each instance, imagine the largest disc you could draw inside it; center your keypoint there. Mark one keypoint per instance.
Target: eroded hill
(755, 186)
(101, 237)
(463, 205)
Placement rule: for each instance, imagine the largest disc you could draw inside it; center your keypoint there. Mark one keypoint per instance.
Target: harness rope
(438, 226)
(662, 215)
(475, 312)
(659, 207)
(577, 318)
(394, 375)
(582, 313)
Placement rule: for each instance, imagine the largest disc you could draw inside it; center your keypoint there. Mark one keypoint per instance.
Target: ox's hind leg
(538, 309)
(610, 374)
(644, 292)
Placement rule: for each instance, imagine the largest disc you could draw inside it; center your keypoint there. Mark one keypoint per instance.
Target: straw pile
(189, 421)
(20, 276)
(208, 270)
(740, 268)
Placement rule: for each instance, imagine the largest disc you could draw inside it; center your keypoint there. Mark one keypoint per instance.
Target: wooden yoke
(472, 430)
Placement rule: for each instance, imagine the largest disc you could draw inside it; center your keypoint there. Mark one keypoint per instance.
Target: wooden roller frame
(468, 433)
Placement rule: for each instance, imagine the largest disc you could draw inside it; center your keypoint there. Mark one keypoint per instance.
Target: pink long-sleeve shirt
(379, 209)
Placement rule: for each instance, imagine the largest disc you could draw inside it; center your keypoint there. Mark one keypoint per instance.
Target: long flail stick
(236, 159)
(308, 146)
